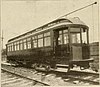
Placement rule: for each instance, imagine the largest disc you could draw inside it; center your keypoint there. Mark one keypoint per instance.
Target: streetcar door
(56, 41)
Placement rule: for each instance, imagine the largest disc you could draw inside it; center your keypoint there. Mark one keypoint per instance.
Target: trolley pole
(78, 9)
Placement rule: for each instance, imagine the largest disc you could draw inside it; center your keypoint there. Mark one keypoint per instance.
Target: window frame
(40, 37)
(29, 44)
(35, 38)
(24, 44)
(21, 45)
(15, 46)
(46, 35)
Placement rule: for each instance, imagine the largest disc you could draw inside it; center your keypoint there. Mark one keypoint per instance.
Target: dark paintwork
(63, 54)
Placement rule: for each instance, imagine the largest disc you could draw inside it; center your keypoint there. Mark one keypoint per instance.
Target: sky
(20, 16)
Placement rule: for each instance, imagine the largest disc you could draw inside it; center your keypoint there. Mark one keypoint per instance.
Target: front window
(77, 35)
(73, 35)
(75, 38)
(84, 35)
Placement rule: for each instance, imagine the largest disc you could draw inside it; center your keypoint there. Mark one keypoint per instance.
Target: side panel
(86, 52)
(76, 53)
(32, 55)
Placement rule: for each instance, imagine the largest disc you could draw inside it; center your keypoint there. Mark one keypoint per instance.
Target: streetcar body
(63, 41)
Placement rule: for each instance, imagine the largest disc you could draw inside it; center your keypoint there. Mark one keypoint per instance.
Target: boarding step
(62, 66)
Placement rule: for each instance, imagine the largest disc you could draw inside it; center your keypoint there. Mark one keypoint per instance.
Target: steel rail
(45, 84)
(73, 74)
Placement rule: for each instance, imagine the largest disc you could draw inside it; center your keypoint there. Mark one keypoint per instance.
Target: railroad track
(79, 77)
(10, 79)
(83, 77)
(56, 77)
(13, 78)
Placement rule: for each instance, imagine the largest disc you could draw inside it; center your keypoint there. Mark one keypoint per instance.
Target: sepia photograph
(50, 43)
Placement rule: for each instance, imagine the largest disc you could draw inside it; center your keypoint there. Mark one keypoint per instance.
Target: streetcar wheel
(47, 68)
(82, 68)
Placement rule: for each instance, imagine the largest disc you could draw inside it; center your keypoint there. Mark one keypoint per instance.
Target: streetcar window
(8, 48)
(18, 46)
(40, 36)
(15, 46)
(47, 34)
(25, 45)
(65, 38)
(60, 39)
(28, 39)
(75, 38)
(34, 43)
(84, 35)
(35, 37)
(75, 35)
(47, 41)
(29, 43)
(40, 42)
(60, 32)
(21, 45)
(12, 47)
(65, 31)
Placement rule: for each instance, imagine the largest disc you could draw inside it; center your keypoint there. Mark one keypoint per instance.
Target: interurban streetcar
(63, 41)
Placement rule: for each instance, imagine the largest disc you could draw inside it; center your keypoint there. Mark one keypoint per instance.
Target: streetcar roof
(74, 20)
